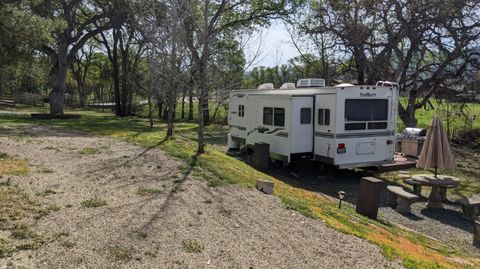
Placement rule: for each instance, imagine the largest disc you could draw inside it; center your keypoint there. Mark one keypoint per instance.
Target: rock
(264, 186)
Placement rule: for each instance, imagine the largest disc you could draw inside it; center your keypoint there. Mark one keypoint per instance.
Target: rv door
(324, 127)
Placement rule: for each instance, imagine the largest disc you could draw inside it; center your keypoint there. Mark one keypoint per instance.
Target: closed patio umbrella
(436, 152)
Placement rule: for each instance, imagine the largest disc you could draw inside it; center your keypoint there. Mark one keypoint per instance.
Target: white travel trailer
(346, 126)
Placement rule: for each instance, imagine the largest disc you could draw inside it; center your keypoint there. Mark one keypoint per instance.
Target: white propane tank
(232, 144)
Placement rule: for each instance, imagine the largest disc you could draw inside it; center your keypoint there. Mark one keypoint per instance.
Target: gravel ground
(183, 224)
(446, 225)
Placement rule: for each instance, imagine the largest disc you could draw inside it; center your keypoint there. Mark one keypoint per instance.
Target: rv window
(377, 125)
(323, 116)
(327, 116)
(320, 116)
(366, 109)
(355, 126)
(267, 115)
(305, 115)
(241, 111)
(279, 117)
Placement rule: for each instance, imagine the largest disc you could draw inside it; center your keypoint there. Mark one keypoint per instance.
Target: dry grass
(13, 166)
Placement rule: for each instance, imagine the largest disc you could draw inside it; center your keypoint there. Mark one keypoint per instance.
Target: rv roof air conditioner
(266, 86)
(287, 86)
(387, 84)
(310, 82)
(344, 85)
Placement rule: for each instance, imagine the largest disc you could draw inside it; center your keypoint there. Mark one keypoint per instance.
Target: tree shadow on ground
(170, 195)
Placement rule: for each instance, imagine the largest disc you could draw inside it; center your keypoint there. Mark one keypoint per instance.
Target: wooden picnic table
(441, 181)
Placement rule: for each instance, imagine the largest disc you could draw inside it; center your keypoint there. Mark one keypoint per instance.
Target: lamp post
(341, 195)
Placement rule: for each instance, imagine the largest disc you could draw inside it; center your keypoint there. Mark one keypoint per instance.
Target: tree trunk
(150, 110)
(407, 115)
(116, 82)
(190, 104)
(206, 111)
(183, 104)
(201, 108)
(160, 109)
(125, 89)
(201, 126)
(57, 79)
(170, 121)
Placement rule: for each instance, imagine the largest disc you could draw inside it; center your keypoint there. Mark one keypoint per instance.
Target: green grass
(148, 191)
(457, 122)
(88, 151)
(22, 231)
(220, 117)
(415, 250)
(17, 210)
(46, 192)
(192, 246)
(6, 249)
(94, 202)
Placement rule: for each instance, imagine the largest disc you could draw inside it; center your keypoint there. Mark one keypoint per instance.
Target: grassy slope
(415, 250)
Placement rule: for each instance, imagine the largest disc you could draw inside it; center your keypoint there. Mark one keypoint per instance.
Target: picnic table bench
(417, 186)
(471, 207)
(401, 199)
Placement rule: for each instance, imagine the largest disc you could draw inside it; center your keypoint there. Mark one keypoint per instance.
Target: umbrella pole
(435, 171)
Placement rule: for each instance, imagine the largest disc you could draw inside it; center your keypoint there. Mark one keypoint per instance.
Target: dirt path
(157, 215)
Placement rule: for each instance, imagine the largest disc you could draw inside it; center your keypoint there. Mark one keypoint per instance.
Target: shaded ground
(123, 206)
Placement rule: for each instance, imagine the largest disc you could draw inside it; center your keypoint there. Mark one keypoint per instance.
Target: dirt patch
(123, 206)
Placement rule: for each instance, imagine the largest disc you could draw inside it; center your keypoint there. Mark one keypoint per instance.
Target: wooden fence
(30, 99)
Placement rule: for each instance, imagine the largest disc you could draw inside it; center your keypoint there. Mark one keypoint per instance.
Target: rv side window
(267, 115)
(241, 111)
(323, 116)
(279, 117)
(305, 115)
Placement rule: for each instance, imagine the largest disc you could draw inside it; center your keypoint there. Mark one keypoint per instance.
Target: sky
(275, 46)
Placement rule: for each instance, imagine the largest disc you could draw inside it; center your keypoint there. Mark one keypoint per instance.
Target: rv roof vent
(287, 86)
(311, 82)
(266, 86)
(344, 85)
